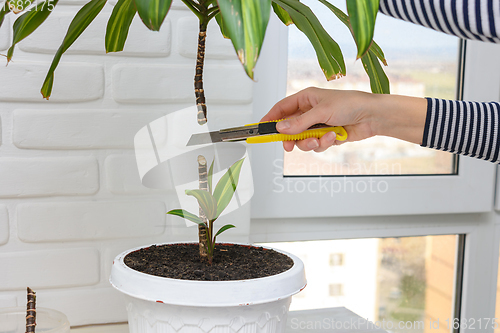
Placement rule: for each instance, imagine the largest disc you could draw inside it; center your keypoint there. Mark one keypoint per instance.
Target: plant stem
(30, 311)
(203, 185)
(198, 78)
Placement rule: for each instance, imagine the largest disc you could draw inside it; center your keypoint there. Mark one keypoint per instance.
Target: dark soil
(231, 262)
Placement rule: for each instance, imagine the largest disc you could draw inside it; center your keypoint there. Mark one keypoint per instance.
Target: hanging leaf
(329, 55)
(209, 176)
(282, 14)
(4, 11)
(29, 22)
(220, 22)
(379, 82)
(226, 186)
(206, 202)
(378, 52)
(224, 228)
(17, 6)
(187, 215)
(362, 16)
(119, 24)
(80, 22)
(153, 12)
(245, 22)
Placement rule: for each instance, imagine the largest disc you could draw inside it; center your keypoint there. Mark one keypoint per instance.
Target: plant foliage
(243, 21)
(213, 203)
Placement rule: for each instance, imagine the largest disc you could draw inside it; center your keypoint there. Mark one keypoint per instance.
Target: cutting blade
(204, 138)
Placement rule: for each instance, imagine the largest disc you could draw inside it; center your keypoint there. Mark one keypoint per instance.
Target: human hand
(332, 107)
(363, 115)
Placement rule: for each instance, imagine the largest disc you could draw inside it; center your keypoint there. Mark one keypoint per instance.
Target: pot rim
(207, 293)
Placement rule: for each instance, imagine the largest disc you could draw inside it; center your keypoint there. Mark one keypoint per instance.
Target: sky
(396, 37)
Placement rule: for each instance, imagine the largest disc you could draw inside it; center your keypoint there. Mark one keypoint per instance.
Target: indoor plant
(244, 22)
(169, 288)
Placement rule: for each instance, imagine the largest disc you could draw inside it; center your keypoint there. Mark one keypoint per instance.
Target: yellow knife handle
(312, 133)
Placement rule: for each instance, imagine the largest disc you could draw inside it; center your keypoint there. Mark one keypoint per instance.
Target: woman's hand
(363, 115)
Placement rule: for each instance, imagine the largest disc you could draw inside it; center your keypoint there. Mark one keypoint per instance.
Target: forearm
(400, 117)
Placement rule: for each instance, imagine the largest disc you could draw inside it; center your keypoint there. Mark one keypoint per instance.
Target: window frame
(470, 190)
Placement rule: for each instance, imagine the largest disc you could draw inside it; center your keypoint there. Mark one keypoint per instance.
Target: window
(336, 259)
(336, 289)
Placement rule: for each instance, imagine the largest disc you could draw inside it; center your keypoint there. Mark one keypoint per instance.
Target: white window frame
(471, 190)
(461, 204)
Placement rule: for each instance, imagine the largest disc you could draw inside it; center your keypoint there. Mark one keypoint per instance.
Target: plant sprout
(213, 204)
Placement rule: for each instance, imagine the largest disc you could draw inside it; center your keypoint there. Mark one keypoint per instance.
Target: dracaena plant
(242, 21)
(212, 202)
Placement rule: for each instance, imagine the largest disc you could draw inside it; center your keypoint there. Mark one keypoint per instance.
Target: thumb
(298, 124)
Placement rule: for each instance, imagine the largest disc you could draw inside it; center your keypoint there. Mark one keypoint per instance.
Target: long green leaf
(80, 22)
(29, 22)
(226, 186)
(245, 22)
(329, 55)
(4, 11)
(222, 28)
(187, 215)
(362, 14)
(210, 175)
(119, 24)
(153, 12)
(17, 6)
(206, 202)
(282, 14)
(224, 228)
(378, 80)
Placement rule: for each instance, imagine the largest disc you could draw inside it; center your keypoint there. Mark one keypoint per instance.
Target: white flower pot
(163, 305)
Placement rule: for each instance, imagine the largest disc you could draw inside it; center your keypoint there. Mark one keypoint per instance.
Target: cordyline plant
(242, 21)
(212, 204)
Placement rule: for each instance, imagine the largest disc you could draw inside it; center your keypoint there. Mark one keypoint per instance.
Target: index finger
(284, 108)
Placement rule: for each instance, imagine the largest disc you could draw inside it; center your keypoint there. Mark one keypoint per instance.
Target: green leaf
(220, 22)
(119, 24)
(17, 6)
(29, 22)
(4, 11)
(226, 186)
(245, 22)
(378, 80)
(209, 177)
(362, 14)
(187, 215)
(224, 228)
(206, 202)
(80, 22)
(153, 12)
(378, 52)
(282, 14)
(327, 50)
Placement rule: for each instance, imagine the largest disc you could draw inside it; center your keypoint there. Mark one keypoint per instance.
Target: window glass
(421, 63)
(396, 282)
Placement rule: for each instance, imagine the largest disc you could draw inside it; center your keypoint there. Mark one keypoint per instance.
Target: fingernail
(330, 136)
(313, 144)
(282, 125)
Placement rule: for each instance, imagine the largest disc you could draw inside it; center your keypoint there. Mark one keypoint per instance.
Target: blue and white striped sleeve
(465, 128)
(468, 19)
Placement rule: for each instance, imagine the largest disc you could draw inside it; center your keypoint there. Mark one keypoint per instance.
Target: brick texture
(71, 221)
(4, 225)
(56, 268)
(49, 36)
(22, 81)
(226, 84)
(79, 129)
(48, 176)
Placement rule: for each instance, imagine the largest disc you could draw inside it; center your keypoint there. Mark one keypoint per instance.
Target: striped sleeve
(465, 128)
(468, 19)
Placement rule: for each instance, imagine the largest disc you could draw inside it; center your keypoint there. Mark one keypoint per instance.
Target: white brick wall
(70, 195)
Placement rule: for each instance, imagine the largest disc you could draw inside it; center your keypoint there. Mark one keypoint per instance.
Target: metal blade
(204, 138)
